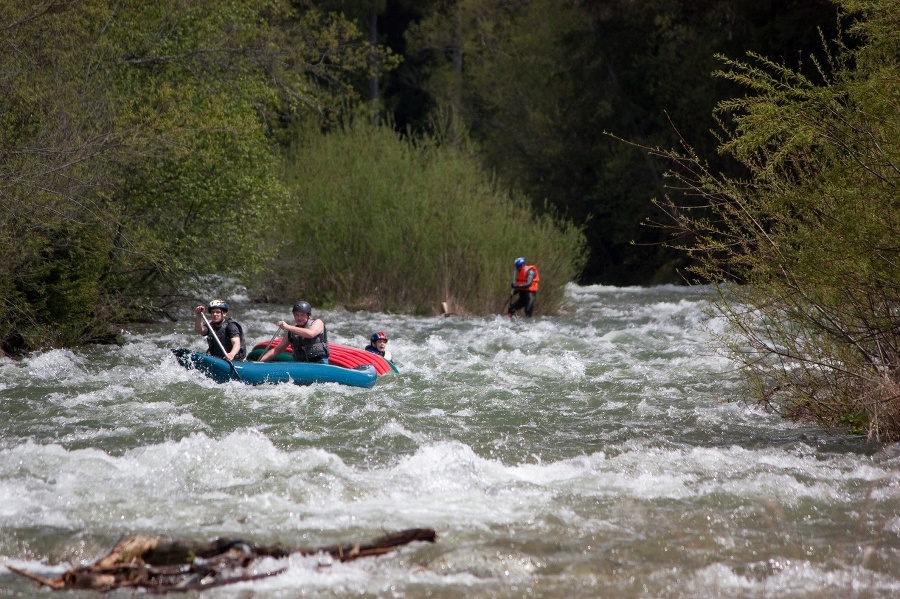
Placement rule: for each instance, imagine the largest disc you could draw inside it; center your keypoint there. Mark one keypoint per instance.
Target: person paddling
(307, 337)
(525, 284)
(230, 334)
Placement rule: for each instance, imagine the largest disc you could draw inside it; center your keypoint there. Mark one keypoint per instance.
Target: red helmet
(379, 336)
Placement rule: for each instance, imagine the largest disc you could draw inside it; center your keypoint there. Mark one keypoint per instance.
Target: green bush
(811, 233)
(385, 222)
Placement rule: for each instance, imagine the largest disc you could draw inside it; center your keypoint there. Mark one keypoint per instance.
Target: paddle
(271, 341)
(222, 347)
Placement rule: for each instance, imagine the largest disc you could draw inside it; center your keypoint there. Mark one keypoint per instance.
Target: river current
(605, 452)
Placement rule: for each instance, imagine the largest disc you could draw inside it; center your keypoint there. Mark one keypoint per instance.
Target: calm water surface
(596, 454)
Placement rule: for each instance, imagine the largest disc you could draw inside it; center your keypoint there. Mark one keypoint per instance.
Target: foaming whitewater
(603, 452)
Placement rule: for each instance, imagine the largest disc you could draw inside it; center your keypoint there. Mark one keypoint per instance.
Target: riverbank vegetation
(147, 146)
(138, 144)
(399, 223)
(811, 232)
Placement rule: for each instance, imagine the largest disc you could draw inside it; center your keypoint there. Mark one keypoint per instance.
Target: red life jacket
(522, 278)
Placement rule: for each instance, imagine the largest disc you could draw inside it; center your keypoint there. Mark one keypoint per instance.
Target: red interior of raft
(344, 355)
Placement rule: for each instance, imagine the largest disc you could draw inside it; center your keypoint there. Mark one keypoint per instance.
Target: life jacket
(374, 350)
(522, 278)
(309, 350)
(222, 334)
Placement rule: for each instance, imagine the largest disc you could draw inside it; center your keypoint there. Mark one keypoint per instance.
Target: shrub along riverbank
(385, 222)
(811, 233)
(366, 219)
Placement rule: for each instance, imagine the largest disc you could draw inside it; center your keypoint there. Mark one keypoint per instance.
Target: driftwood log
(160, 565)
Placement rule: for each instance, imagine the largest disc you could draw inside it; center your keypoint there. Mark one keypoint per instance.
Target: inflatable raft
(340, 355)
(259, 373)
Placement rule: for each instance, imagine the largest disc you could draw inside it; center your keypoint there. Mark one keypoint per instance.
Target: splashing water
(604, 452)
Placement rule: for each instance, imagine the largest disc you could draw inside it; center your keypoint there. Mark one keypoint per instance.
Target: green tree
(54, 148)
(810, 234)
(139, 148)
(538, 82)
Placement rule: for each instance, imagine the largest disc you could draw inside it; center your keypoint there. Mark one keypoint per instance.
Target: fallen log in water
(160, 565)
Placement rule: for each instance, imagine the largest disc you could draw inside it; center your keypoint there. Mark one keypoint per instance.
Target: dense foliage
(393, 223)
(142, 144)
(137, 144)
(811, 232)
(141, 160)
(538, 82)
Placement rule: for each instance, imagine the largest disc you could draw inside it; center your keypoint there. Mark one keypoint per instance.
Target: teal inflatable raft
(260, 373)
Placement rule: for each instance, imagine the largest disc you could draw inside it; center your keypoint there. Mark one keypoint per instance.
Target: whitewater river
(601, 453)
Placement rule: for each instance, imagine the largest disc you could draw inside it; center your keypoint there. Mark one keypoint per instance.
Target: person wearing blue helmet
(525, 284)
(229, 332)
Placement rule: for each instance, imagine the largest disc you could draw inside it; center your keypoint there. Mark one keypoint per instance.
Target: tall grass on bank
(382, 222)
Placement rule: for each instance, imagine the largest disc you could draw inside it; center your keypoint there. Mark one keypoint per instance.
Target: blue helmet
(217, 304)
(379, 336)
(520, 262)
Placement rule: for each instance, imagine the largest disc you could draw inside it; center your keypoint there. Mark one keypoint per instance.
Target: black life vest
(309, 350)
(225, 338)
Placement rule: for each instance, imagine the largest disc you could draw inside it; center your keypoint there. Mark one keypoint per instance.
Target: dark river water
(605, 452)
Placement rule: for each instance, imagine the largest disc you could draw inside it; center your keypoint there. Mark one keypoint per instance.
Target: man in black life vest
(526, 285)
(229, 332)
(307, 337)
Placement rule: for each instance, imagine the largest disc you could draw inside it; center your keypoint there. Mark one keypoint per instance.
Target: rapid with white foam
(603, 452)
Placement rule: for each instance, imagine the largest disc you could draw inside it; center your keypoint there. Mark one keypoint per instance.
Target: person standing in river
(307, 337)
(525, 284)
(229, 332)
